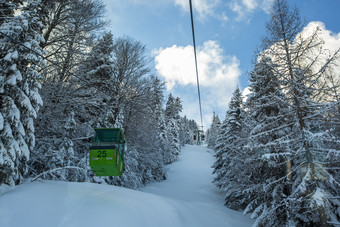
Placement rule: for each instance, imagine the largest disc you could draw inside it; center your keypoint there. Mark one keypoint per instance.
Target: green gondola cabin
(107, 152)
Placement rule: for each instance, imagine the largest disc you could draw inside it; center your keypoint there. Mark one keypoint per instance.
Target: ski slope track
(187, 198)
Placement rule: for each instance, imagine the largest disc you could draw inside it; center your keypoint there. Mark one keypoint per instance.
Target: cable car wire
(198, 84)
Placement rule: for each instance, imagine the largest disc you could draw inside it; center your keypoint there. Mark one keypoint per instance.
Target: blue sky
(228, 32)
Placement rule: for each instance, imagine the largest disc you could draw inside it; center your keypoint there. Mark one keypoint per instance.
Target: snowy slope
(186, 198)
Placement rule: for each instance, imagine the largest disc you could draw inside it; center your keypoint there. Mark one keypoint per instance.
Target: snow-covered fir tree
(268, 113)
(159, 115)
(185, 131)
(307, 193)
(193, 127)
(212, 132)
(20, 62)
(172, 110)
(94, 88)
(219, 149)
(230, 155)
(7, 9)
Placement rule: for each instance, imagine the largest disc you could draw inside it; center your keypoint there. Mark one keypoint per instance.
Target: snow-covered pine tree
(94, 94)
(267, 110)
(230, 164)
(219, 149)
(161, 143)
(157, 106)
(172, 110)
(212, 132)
(51, 151)
(20, 61)
(193, 127)
(94, 86)
(7, 9)
(312, 199)
(185, 134)
(58, 159)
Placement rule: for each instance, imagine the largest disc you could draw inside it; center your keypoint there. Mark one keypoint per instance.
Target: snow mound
(53, 203)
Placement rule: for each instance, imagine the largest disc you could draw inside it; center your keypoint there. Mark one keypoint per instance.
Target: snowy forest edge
(277, 150)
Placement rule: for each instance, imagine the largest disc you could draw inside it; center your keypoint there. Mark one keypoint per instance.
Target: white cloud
(245, 8)
(246, 91)
(176, 65)
(135, 2)
(218, 76)
(203, 7)
(331, 45)
(242, 8)
(267, 5)
(238, 9)
(223, 17)
(331, 40)
(250, 4)
(322, 45)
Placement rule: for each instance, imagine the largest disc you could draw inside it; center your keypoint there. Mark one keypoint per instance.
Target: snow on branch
(276, 156)
(57, 169)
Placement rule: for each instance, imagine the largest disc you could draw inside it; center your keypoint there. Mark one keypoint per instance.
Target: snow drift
(186, 198)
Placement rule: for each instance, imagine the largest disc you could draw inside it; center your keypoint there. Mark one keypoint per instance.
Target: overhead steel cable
(198, 84)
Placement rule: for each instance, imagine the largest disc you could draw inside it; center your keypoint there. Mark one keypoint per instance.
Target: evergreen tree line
(278, 152)
(62, 75)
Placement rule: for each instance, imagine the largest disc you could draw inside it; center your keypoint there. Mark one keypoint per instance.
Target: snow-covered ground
(187, 198)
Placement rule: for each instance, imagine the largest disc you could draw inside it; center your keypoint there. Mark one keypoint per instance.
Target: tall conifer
(20, 61)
